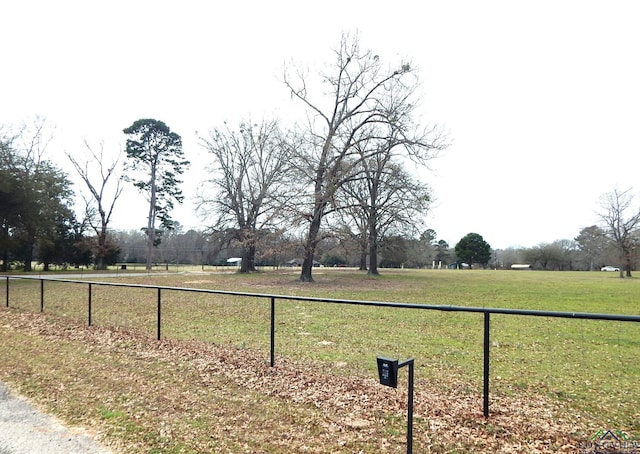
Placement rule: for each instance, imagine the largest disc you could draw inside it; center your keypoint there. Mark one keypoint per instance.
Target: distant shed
(521, 266)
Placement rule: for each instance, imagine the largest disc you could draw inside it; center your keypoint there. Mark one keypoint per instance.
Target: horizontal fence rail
(486, 311)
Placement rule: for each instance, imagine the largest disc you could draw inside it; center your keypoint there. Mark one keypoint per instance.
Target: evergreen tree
(156, 161)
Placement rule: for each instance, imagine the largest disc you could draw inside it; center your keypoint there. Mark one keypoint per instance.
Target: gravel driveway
(25, 430)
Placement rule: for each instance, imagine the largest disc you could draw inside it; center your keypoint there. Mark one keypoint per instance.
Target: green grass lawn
(591, 366)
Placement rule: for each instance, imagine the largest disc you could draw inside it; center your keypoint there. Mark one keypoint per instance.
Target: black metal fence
(485, 311)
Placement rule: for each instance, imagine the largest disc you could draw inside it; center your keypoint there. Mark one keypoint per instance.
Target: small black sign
(388, 371)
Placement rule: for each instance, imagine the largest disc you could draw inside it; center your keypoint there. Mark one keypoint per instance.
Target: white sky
(541, 99)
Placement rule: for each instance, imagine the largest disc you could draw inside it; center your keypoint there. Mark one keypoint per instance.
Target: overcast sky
(541, 99)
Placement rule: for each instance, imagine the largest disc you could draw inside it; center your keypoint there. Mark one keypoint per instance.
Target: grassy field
(586, 370)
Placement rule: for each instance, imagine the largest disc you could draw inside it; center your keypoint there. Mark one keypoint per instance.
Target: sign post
(388, 375)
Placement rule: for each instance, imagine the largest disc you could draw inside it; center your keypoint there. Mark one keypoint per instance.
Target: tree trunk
(311, 243)
(627, 265)
(373, 259)
(248, 263)
(363, 261)
(307, 267)
(248, 253)
(152, 233)
(252, 258)
(373, 243)
(99, 263)
(309, 251)
(151, 220)
(362, 244)
(625, 262)
(28, 258)
(244, 264)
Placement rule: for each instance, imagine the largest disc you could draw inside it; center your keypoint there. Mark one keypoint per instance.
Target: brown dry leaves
(171, 388)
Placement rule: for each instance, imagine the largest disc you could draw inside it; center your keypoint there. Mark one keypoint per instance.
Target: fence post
(7, 291)
(159, 311)
(89, 301)
(273, 330)
(410, 409)
(41, 295)
(487, 346)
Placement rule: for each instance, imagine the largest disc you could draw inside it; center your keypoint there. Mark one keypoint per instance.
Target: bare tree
(104, 188)
(363, 100)
(383, 200)
(250, 168)
(621, 219)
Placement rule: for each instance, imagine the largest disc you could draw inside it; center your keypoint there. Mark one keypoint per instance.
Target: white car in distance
(609, 268)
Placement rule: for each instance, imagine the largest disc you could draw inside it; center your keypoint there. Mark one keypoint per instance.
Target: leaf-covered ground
(140, 395)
